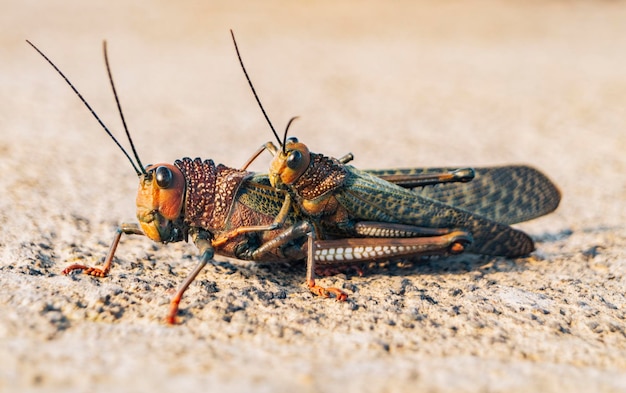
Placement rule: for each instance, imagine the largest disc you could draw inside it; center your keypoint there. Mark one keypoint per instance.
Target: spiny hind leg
(342, 252)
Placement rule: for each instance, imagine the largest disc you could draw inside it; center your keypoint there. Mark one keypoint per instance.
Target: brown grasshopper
(347, 202)
(224, 210)
(230, 212)
(380, 207)
(344, 202)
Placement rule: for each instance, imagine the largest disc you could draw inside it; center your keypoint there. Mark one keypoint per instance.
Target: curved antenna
(88, 107)
(119, 108)
(286, 130)
(252, 87)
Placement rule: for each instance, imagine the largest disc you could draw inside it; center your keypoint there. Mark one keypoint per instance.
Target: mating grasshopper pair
(315, 208)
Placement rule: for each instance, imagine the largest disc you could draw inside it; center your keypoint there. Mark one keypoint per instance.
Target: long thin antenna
(252, 87)
(88, 107)
(286, 130)
(119, 107)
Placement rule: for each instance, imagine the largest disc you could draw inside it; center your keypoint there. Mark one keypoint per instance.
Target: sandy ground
(407, 84)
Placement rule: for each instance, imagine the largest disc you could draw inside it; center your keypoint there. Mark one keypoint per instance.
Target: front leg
(126, 228)
(206, 251)
(278, 222)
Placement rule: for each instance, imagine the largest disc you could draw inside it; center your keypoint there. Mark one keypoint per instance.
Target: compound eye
(291, 139)
(164, 177)
(294, 159)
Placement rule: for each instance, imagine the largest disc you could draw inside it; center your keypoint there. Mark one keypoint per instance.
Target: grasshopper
(348, 202)
(385, 210)
(381, 206)
(225, 211)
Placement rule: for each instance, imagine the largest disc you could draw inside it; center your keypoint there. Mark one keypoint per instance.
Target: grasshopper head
(289, 163)
(160, 201)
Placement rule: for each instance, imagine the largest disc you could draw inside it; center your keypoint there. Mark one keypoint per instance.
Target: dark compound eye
(291, 139)
(293, 159)
(163, 177)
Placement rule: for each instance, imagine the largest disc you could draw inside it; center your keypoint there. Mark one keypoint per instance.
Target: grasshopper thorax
(160, 201)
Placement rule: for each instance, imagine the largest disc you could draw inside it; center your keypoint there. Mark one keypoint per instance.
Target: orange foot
(325, 292)
(171, 316)
(92, 271)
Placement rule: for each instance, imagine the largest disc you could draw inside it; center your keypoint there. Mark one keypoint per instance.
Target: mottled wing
(260, 196)
(370, 198)
(506, 194)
